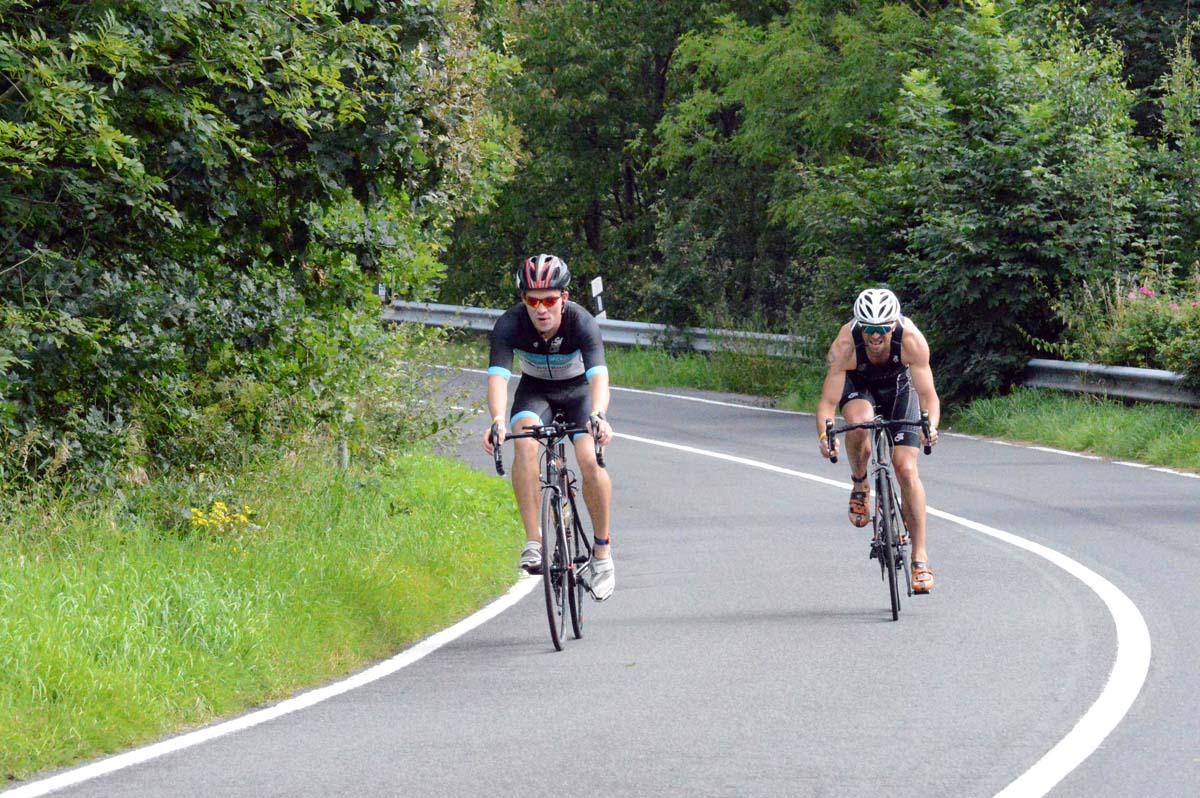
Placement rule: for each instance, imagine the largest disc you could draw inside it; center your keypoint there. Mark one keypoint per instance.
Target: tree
(195, 194)
(1014, 174)
(590, 93)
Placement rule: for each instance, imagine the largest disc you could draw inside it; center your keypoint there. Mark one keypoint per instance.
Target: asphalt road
(749, 650)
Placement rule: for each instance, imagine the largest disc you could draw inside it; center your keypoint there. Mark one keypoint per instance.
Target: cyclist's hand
(496, 433)
(823, 446)
(601, 430)
(933, 436)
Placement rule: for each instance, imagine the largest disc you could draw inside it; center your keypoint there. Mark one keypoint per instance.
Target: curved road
(748, 650)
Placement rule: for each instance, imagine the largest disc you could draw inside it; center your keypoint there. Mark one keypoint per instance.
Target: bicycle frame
(565, 547)
(890, 545)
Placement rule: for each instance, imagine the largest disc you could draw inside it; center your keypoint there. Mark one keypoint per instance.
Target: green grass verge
(1166, 435)
(114, 631)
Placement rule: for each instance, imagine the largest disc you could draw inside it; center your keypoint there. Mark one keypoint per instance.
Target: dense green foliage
(199, 198)
(992, 160)
(1015, 173)
(592, 89)
(196, 200)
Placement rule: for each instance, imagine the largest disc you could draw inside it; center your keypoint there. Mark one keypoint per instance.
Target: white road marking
(1125, 680)
(701, 400)
(405, 658)
(1063, 452)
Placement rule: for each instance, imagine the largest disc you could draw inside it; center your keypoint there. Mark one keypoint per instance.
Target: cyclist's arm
(917, 358)
(500, 361)
(497, 397)
(600, 397)
(591, 346)
(839, 359)
(497, 400)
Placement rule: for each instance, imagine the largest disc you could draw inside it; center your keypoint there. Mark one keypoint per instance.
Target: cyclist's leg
(530, 408)
(597, 491)
(904, 459)
(574, 401)
(857, 405)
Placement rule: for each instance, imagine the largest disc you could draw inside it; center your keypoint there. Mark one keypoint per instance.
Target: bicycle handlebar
(877, 423)
(548, 432)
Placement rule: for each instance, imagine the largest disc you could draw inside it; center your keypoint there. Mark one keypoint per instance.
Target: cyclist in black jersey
(879, 365)
(561, 356)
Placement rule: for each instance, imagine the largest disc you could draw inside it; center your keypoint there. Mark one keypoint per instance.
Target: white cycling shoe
(600, 578)
(531, 557)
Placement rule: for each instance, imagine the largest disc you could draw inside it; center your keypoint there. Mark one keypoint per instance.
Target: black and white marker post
(597, 289)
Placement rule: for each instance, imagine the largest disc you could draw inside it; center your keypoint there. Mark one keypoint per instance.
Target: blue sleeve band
(594, 370)
(499, 371)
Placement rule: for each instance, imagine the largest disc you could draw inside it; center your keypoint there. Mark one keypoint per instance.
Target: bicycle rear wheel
(554, 567)
(577, 545)
(887, 531)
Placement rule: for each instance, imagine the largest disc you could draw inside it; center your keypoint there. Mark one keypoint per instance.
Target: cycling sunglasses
(546, 302)
(877, 329)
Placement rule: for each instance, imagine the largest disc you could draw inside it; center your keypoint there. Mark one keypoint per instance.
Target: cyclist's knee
(906, 473)
(526, 449)
(591, 471)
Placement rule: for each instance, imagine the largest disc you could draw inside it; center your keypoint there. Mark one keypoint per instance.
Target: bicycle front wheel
(578, 549)
(555, 566)
(887, 532)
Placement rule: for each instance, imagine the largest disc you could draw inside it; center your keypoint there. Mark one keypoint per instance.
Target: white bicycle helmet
(876, 306)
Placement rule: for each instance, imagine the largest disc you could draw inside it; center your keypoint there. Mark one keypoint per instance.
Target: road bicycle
(890, 544)
(566, 550)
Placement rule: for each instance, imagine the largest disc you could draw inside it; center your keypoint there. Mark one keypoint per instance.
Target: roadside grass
(1164, 435)
(115, 630)
(1167, 435)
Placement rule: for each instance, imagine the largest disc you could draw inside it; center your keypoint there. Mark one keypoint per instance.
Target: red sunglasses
(546, 302)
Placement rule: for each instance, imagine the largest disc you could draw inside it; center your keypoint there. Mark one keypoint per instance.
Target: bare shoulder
(914, 348)
(841, 351)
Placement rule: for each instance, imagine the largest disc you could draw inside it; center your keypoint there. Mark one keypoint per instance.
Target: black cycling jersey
(885, 375)
(887, 387)
(575, 350)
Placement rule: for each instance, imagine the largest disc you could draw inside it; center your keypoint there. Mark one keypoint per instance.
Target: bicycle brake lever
(831, 440)
(497, 453)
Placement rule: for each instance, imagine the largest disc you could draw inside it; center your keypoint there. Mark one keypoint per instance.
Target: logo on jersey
(556, 344)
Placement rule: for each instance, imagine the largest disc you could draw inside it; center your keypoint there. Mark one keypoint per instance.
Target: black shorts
(543, 399)
(890, 402)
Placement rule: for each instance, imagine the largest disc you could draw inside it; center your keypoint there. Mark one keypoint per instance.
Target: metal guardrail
(1119, 381)
(1128, 383)
(619, 333)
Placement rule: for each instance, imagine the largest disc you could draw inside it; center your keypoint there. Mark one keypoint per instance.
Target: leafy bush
(195, 197)
(1016, 163)
(1123, 324)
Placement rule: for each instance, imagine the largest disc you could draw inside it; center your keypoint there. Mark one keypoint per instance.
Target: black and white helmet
(543, 271)
(876, 306)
